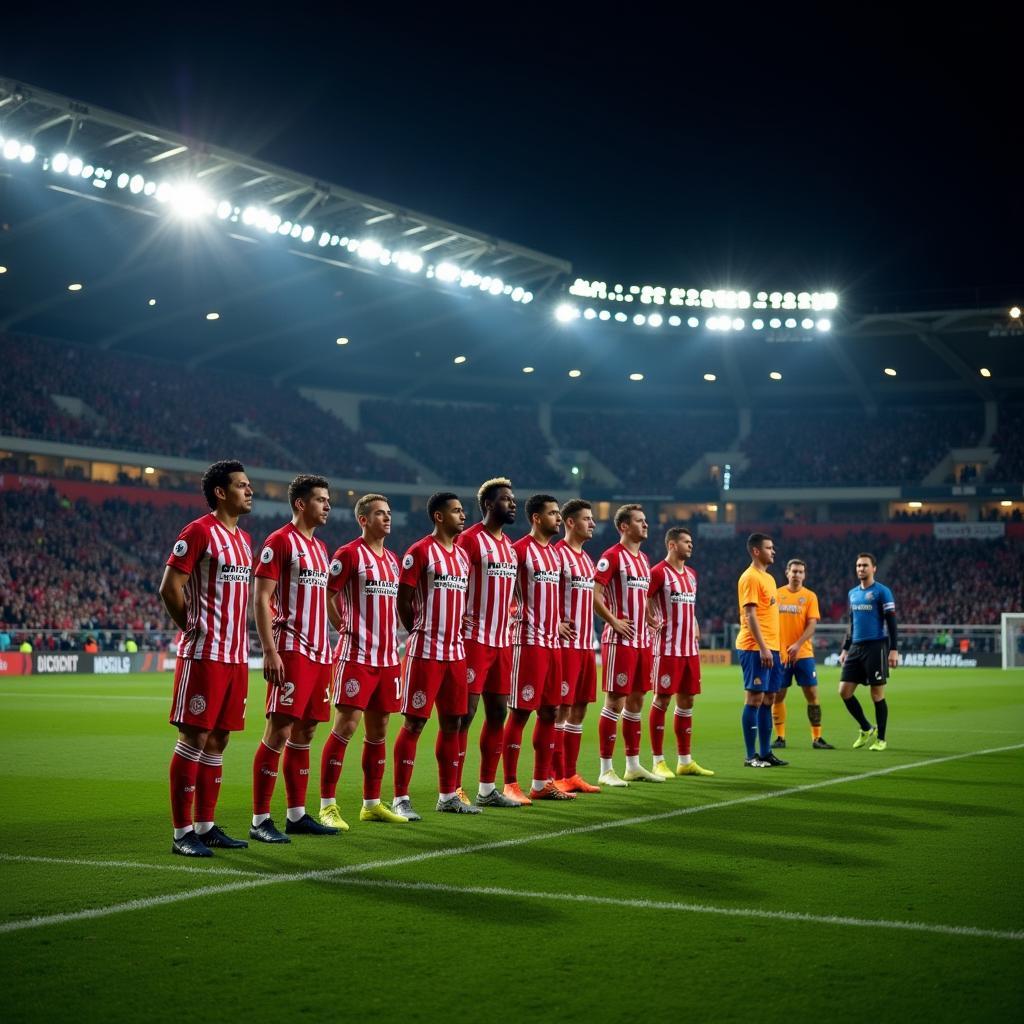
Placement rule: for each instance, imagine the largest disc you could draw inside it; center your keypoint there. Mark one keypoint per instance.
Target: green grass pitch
(754, 896)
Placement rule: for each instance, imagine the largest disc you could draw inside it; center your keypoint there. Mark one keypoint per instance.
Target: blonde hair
(623, 513)
(363, 504)
(488, 487)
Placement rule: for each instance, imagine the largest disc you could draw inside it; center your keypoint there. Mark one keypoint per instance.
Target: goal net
(1012, 629)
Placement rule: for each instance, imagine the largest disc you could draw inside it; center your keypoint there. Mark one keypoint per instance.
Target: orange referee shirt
(794, 611)
(758, 588)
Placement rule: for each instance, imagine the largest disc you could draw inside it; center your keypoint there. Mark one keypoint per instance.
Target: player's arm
(273, 666)
(794, 648)
(172, 593)
(621, 626)
(404, 605)
(889, 609)
(566, 629)
(341, 571)
(847, 640)
(750, 614)
(652, 610)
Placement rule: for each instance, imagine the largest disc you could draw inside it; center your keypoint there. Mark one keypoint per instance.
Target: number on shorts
(287, 689)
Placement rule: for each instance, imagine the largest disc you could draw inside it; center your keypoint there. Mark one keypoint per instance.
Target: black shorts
(867, 663)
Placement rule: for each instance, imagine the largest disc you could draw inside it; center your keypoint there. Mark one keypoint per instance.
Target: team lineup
(505, 624)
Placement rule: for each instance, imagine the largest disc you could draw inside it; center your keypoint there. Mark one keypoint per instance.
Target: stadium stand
(846, 448)
(1009, 443)
(140, 405)
(650, 460)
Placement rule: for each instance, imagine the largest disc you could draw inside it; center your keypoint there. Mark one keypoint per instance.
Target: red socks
(682, 720)
(492, 738)
(264, 777)
(447, 751)
(558, 762)
(607, 731)
(543, 749)
(463, 743)
(405, 760)
(296, 773)
(573, 738)
(631, 733)
(208, 786)
(656, 723)
(374, 761)
(510, 750)
(331, 762)
(183, 774)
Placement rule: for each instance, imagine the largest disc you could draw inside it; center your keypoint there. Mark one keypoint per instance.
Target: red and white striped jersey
(492, 578)
(366, 589)
(577, 593)
(625, 579)
(439, 579)
(301, 568)
(673, 596)
(538, 604)
(219, 566)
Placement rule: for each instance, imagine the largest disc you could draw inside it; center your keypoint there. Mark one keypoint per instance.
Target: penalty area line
(688, 908)
(471, 848)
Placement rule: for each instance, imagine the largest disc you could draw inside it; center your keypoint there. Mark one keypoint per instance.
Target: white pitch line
(689, 908)
(15, 858)
(84, 696)
(458, 851)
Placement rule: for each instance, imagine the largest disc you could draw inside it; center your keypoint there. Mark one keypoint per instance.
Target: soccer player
(621, 581)
(205, 589)
(798, 615)
(485, 632)
(537, 635)
(579, 664)
(431, 604)
(758, 644)
(867, 654)
(672, 615)
(363, 589)
(291, 618)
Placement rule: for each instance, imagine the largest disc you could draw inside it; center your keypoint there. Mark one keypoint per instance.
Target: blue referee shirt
(868, 607)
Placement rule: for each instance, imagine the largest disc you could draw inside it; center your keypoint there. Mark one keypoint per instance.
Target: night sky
(847, 150)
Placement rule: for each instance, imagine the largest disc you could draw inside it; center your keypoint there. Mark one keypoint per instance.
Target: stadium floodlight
(775, 323)
(1015, 312)
(122, 180)
(775, 375)
(136, 184)
(807, 324)
(74, 287)
(692, 322)
(575, 470)
(459, 360)
(60, 164)
(369, 249)
(589, 314)
(285, 228)
(87, 171)
(790, 323)
(527, 297)
(621, 318)
(213, 316)
(564, 313)
(738, 324)
(189, 201)
(654, 320)
(829, 300)
(307, 233)
(527, 369)
(449, 272)
(12, 147)
(824, 325)
(889, 372)
(604, 315)
(341, 341)
(75, 167)
(323, 241)
(149, 188)
(152, 302)
(757, 324)
(3, 270)
(1006, 503)
(710, 377)
(639, 319)
(636, 376)
(985, 372)
(575, 373)
(914, 504)
(675, 321)
(497, 286)
(28, 153)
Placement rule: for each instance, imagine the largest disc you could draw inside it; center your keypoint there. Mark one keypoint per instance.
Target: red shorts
(488, 668)
(625, 669)
(367, 687)
(676, 674)
(427, 682)
(536, 677)
(305, 693)
(579, 676)
(209, 694)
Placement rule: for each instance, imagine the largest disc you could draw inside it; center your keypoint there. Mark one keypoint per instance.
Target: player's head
(865, 566)
(679, 542)
(631, 522)
(543, 514)
(446, 513)
(497, 501)
(578, 517)
(796, 572)
(310, 498)
(226, 486)
(373, 514)
(761, 548)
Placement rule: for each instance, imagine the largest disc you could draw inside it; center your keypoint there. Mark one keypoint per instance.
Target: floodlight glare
(149, 188)
(74, 167)
(636, 376)
(775, 323)
(369, 249)
(738, 324)
(28, 153)
(985, 372)
(213, 316)
(589, 314)
(75, 287)
(675, 321)
(341, 341)
(807, 323)
(449, 272)
(527, 369)
(775, 375)
(323, 241)
(824, 325)
(710, 377)
(639, 319)
(87, 171)
(60, 164)
(604, 315)
(12, 147)
(527, 297)
(692, 322)
(620, 318)
(307, 233)
(790, 323)
(564, 313)
(497, 286)
(122, 180)
(190, 201)
(459, 360)
(1015, 312)
(1006, 503)
(152, 302)
(136, 184)
(296, 230)
(654, 320)
(889, 372)
(757, 324)
(575, 373)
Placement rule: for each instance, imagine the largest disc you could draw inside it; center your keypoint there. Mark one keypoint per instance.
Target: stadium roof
(151, 280)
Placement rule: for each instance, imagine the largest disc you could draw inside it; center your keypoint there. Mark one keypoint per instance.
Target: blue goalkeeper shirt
(868, 608)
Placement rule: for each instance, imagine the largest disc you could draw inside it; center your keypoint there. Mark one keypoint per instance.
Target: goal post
(1012, 636)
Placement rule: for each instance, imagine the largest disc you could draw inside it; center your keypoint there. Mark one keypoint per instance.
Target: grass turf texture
(582, 911)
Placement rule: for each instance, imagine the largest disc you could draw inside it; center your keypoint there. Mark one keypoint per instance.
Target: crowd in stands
(649, 460)
(846, 448)
(450, 438)
(947, 515)
(141, 405)
(1008, 440)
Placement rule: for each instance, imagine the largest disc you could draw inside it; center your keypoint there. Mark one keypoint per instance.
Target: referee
(869, 651)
